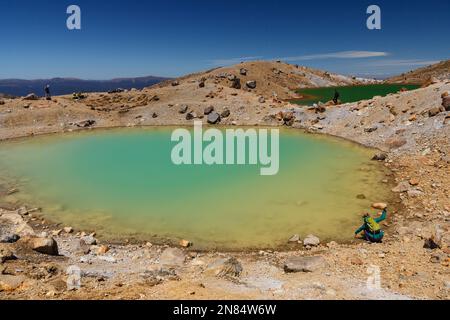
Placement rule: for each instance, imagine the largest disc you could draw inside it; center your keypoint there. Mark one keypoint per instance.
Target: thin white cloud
(337, 55)
(320, 56)
(224, 62)
(402, 63)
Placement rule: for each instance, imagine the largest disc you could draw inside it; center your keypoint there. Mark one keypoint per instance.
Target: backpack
(372, 224)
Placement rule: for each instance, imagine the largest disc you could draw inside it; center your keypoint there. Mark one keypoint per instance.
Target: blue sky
(169, 38)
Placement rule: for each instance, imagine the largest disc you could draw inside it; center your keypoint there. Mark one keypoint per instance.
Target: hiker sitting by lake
(336, 97)
(47, 92)
(371, 227)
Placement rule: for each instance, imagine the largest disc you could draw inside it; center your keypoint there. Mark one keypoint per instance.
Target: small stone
(261, 100)
(208, 110)
(102, 249)
(379, 157)
(9, 283)
(89, 240)
(403, 186)
(185, 243)
(191, 115)
(68, 229)
(9, 238)
(311, 240)
(304, 264)
(6, 254)
(414, 182)
(183, 109)
(370, 129)
(243, 72)
(379, 205)
(225, 113)
(175, 83)
(360, 196)
(172, 257)
(251, 84)
(295, 238)
(226, 267)
(356, 261)
(446, 102)
(434, 111)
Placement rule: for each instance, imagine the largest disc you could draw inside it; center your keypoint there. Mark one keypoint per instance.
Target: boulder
(243, 72)
(251, 84)
(172, 257)
(31, 96)
(213, 118)
(201, 84)
(311, 240)
(231, 77)
(225, 267)
(43, 245)
(236, 84)
(208, 110)
(304, 264)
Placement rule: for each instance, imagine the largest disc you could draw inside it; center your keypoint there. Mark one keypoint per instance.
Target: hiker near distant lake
(336, 97)
(371, 227)
(47, 92)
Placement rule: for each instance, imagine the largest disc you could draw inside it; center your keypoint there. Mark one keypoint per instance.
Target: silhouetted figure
(47, 92)
(336, 97)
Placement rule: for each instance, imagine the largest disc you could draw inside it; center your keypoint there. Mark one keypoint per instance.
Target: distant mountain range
(61, 86)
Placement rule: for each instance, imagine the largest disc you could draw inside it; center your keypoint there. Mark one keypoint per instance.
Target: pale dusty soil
(417, 147)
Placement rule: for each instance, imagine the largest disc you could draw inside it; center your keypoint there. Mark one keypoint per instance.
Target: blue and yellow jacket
(365, 227)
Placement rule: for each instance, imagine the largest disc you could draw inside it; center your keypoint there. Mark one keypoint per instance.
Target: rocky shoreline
(409, 128)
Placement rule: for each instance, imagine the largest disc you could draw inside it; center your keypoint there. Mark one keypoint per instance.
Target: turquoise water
(122, 183)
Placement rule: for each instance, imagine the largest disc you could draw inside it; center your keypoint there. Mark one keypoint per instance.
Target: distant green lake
(349, 93)
(122, 184)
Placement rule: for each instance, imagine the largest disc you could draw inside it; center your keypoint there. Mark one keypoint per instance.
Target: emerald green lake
(350, 93)
(122, 184)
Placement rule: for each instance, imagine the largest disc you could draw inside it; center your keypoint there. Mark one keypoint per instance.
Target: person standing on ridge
(371, 227)
(47, 92)
(336, 96)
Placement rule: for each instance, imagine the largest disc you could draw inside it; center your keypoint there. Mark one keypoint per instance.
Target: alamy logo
(374, 20)
(374, 278)
(74, 20)
(73, 278)
(229, 148)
